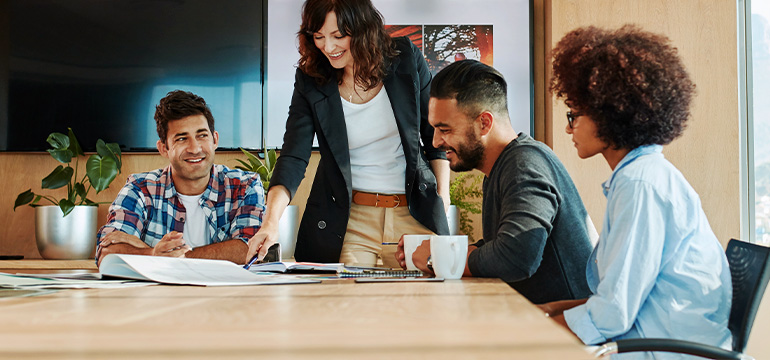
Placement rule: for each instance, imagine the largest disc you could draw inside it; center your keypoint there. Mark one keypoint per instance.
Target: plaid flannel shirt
(148, 208)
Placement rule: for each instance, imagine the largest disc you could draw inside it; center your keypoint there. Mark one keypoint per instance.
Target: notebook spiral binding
(347, 273)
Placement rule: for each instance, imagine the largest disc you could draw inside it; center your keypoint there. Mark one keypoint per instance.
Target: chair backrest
(749, 272)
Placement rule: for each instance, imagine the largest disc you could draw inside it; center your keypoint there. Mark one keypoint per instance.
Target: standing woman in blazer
(365, 97)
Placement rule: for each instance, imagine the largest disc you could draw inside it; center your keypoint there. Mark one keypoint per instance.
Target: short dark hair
(475, 85)
(177, 105)
(630, 82)
(370, 45)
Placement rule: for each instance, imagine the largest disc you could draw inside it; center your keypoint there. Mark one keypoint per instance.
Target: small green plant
(101, 170)
(263, 168)
(465, 194)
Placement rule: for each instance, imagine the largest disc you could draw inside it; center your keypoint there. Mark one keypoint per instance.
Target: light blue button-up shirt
(658, 271)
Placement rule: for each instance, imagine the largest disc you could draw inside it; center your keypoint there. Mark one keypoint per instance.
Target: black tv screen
(101, 66)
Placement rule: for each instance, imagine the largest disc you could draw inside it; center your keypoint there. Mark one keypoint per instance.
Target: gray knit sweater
(534, 225)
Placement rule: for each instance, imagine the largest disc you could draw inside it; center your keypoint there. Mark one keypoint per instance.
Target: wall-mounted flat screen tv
(101, 66)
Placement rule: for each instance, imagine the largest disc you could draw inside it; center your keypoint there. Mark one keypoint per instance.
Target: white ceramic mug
(448, 254)
(411, 242)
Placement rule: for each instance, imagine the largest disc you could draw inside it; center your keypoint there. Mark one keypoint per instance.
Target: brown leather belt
(379, 200)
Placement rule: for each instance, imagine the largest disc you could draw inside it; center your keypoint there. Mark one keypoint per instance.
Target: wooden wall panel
(708, 154)
(21, 171)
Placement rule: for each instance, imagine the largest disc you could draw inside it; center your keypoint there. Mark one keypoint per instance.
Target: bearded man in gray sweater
(535, 227)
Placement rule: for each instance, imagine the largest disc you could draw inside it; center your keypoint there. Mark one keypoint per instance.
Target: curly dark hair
(630, 82)
(371, 47)
(177, 105)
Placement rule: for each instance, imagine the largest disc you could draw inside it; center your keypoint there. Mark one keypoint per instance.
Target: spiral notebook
(346, 272)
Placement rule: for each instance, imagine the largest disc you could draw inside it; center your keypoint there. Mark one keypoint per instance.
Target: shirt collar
(210, 193)
(629, 158)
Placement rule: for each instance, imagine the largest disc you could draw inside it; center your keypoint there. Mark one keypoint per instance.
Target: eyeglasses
(571, 116)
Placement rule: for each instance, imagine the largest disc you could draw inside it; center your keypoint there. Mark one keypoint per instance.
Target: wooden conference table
(461, 319)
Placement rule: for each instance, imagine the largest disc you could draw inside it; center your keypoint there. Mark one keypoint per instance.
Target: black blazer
(317, 110)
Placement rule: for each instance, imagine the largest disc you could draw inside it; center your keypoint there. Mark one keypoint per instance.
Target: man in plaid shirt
(191, 208)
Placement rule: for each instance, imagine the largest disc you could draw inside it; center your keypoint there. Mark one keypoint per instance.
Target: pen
(389, 243)
(253, 259)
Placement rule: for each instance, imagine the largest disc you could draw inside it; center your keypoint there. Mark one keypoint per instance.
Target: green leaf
(253, 160)
(465, 194)
(255, 164)
(58, 141)
(111, 150)
(23, 199)
(244, 165)
(63, 156)
(66, 206)
(74, 145)
(263, 173)
(101, 171)
(115, 149)
(59, 177)
(270, 158)
(264, 176)
(80, 190)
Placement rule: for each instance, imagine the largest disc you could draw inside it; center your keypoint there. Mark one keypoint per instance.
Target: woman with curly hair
(658, 270)
(364, 96)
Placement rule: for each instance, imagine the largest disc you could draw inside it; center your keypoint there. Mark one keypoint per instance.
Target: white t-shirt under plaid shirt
(148, 207)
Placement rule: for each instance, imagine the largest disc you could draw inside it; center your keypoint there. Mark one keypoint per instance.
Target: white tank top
(196, 228)
(377, 158)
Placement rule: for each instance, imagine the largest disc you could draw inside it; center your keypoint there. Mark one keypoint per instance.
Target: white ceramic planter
(288, 227)
(66, 237)
(453, 218)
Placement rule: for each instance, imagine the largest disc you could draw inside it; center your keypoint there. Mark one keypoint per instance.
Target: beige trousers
(371, 226)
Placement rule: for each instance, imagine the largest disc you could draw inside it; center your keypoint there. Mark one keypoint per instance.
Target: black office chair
(749, 272)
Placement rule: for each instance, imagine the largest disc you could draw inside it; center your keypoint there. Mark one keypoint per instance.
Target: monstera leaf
(101, 169)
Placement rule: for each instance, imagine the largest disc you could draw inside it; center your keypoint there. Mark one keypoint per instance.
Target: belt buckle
(377, 200)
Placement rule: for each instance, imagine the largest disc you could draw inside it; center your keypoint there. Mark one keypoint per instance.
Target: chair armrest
(670, 345)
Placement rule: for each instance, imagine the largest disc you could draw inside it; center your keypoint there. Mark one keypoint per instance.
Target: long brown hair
(371, 47)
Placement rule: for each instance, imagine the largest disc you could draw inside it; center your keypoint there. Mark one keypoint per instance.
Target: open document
(52, 281)
(297, 267)
(183, 271)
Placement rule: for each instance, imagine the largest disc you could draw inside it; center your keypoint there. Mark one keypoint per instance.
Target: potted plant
(288, 225)
(67, 228)
(465, 195)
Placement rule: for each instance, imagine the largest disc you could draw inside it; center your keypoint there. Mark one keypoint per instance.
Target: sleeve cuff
(579, 321)
(435, 155)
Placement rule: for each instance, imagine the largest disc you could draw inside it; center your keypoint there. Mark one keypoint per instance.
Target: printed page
(185, 271)
(26, 281)
(284, 266)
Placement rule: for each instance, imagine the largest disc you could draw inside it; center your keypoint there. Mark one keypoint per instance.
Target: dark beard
(469, 155)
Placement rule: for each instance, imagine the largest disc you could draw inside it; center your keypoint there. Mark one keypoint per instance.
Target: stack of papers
(183, 271)
(51, 281)
(296, 267)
